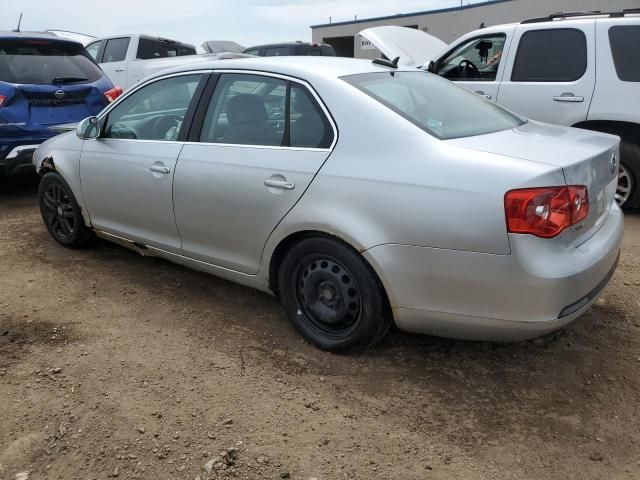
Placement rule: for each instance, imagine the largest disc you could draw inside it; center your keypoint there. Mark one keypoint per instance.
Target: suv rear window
(554, 55)
(148, 49)
(434, 104)
(624, 41)
(43, 62)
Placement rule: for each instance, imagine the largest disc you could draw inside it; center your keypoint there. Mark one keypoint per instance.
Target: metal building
(451, 23)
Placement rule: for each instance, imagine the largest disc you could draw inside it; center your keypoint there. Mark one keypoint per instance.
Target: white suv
(576, 69)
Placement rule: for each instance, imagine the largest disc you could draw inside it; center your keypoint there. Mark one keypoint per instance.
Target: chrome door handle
(119, 69)
(569, 98)
(482, 94)
(282, 184)
(160, 169)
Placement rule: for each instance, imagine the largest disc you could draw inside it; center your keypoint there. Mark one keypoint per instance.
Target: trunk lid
(414, 47)
(585, 157)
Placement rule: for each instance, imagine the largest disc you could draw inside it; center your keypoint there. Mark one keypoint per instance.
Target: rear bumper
(16, 154)
(514, 297)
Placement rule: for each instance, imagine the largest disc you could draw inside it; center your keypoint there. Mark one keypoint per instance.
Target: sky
(248, 22)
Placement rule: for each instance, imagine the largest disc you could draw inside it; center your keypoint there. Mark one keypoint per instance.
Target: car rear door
(551, 71)
(255, 147)
(127, 173)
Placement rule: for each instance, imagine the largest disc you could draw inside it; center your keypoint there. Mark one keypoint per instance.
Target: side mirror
(432, 67)
(88, 128)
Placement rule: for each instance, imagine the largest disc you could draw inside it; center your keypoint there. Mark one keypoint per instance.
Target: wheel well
(287, 243)
(627, 131)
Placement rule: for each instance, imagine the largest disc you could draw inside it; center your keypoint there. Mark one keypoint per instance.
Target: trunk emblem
(612, 167)
(59, 94)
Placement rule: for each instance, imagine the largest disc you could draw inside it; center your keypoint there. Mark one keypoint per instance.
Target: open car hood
(414, 47)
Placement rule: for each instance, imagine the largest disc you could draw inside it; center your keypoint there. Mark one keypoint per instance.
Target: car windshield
(434, 104)
(45, 62)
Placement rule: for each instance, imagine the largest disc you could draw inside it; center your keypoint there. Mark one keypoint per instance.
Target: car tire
(332, 296)
(630, 163)
(61, 213)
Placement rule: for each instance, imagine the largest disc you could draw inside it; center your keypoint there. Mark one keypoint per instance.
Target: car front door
(262, 140)
(477, 63)
(127, 173)
(550, 73)
(113, 60)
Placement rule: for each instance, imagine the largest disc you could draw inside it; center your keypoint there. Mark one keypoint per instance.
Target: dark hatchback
(292, 49)
(44, 81)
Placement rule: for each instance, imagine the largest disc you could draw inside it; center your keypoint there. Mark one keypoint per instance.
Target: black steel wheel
(332, 296)
(61, 213)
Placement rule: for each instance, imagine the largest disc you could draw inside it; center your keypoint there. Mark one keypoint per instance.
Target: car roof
(306, 68)
(34, 36)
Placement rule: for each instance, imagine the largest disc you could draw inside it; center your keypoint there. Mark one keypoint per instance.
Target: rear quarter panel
(389, 182)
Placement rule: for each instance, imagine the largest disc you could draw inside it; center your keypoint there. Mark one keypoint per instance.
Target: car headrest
(246, 109)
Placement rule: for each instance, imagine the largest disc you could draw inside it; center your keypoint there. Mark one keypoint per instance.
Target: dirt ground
(115, 365)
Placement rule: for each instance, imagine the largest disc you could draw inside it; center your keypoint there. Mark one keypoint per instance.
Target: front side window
(434, 104)
(93, 49)
(115, 50)
(475, 60)
(555, 55)
(260, 110)
(154, 112)
(43, 62)
(625, 40)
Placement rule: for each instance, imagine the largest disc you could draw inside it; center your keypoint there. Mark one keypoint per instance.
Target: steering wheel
(160, 126)
(466, 69)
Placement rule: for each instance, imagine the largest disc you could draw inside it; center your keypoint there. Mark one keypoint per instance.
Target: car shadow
(18, 190)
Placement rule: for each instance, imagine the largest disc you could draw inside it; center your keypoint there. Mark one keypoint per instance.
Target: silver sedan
(360, 193)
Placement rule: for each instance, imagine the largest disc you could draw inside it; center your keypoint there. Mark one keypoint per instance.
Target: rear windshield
(434, 104)
(148, 49)
(45, 62)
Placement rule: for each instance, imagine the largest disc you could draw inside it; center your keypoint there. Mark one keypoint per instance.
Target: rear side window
(116, 50)
(625, 40)
(261, 110)
(276, 51)
(42, 62)
(148, 49)
(555, 55)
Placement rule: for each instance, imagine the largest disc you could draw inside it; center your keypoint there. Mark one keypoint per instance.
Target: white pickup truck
(574, 69)
(127, 59)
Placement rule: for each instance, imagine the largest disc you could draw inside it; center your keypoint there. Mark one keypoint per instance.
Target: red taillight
(2, 100)
(545, 212)
(112, 94)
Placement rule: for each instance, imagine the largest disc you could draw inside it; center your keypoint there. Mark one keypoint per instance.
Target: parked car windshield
(434, 104)
(45, 62)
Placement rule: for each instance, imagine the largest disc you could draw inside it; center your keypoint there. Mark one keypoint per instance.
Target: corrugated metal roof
(405, 15)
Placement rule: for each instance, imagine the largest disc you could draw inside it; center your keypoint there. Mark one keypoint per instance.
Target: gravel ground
(114, 365)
